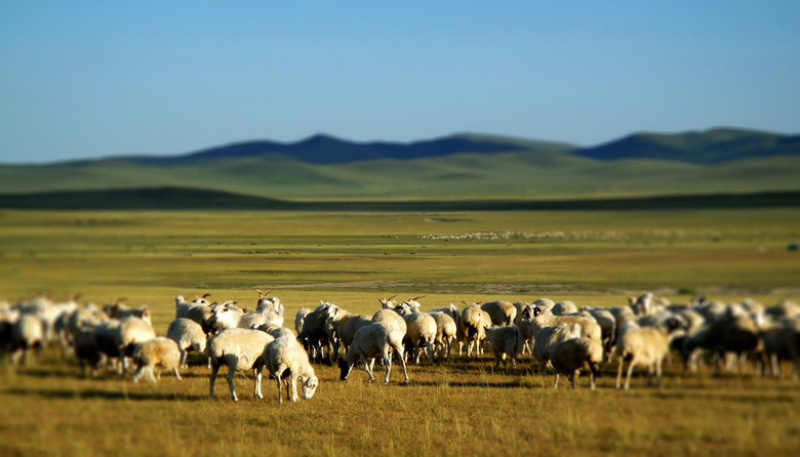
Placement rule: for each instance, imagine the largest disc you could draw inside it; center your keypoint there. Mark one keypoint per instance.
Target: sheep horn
(465, 303)
(120, 300)
(77, 296)
(417, 298)
(206, 296)
(387, 299)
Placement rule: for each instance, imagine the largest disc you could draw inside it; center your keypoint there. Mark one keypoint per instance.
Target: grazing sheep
(474, 322)
(641, 346)
(570, 356)
(390, 317)
(26, 335)
(239, 349)
(564, 307)
(182, 307)
(188, 335)
(446, 331)
(782, 342)
(346, 328)
(544, 317)
(226, 316)
(608, 325)
(505, 341)
(317, 330)
(158, 353)
(88, 315)
(375, 340)
(87, 350)
(500, 312)
(420, 331)
(288, 362)
(453, 312)
(132, 330)
(269, 311)
(546, 338)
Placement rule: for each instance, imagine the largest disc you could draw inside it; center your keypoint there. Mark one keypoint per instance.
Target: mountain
(465, 166)
(326, 150)
(709, 147)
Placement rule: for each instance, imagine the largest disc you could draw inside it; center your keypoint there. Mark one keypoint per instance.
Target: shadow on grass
(64, 394)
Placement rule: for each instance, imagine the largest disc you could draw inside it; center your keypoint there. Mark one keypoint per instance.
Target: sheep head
(310, 385)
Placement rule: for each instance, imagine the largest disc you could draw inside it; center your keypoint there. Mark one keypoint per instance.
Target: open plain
(593, 258)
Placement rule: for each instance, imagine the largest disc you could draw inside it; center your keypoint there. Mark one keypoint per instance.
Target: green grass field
(467, 407)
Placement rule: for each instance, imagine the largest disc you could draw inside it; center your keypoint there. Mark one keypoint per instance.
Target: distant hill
(709, 147)
(465, 166)
(326, 150)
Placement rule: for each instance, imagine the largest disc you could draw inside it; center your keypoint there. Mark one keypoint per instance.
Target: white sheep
(420, 331)
(564, 307)
(132, 330)
(474, 322)
(571, 355)
(505, 341)
(288, 362)
(501, 312)
(269, 311)
(189, 335)
(27, 334)
(158, 353)
(446, 333)
(546, 338)
(226, 316)
(641, 346)
(375, 340)
(239, 349)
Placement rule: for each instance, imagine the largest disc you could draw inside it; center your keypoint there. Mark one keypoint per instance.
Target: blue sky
(98, 78)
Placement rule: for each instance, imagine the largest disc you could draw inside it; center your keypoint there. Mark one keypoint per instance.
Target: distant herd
(560, 338)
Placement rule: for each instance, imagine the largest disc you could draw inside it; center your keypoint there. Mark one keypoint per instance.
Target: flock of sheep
(561, 338)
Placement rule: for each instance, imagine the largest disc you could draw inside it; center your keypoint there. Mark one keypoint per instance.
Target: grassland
(592, 258)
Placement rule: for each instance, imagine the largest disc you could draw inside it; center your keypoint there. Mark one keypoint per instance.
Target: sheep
(505, 341)
(734, 333)
(474, 322)
(239, 349)
(544, 317)
(546, 338)
(642, 346)
(188, 335)
(158, 353)
(27, 334)
(608, 325)
(87, 350)
(132, 330)
(501, 312)
(316, 330)
(453, 312)
(782, 342)
(226, 316)
(420, 331)
(388, 303)
(119, 311)
(269, 311)
(182, 307)
(390, 317)
(202, 313)
(375, 340)
(288, 362)
(571, 355)
(300, 319)
(446, 331)
(346, 328)
(89, 315)
(564, 307)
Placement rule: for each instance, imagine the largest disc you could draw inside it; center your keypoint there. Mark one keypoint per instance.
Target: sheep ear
(77, 296)
(234, 303)
(146, 313)
(206, 295)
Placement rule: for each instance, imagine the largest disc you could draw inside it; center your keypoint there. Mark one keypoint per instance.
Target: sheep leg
(177, 374)
(182, 363)
(257, 389)
(213, 377)
(280, 398)
(555, 384)
(430, 353)
(592, 383)
(231, 373)
(294, 388)
(619, 371)
(388, 358)
(367, 368)
(776, 366)
(288, 390)
(405, 372)
(138, 374)
(659, 374)
(630, 372)
(572, 379)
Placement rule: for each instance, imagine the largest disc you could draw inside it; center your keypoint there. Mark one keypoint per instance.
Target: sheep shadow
(96, 394)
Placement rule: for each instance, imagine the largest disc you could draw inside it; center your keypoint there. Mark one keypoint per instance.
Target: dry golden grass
(465, 407)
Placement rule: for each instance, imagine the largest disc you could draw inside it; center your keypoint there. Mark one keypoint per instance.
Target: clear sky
(87, 78)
